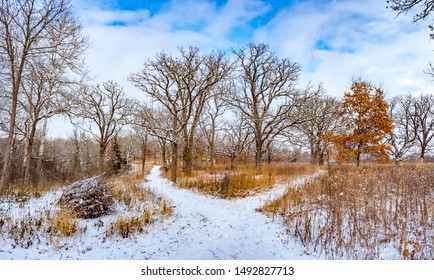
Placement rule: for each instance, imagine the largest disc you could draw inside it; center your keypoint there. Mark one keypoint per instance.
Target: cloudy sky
(333, 40)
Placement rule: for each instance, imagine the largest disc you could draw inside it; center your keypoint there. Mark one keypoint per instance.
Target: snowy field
(202, 227)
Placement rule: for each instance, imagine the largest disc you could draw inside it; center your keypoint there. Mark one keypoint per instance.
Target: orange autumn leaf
(366, 123)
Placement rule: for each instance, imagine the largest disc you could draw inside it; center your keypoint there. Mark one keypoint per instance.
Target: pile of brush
(89, 198)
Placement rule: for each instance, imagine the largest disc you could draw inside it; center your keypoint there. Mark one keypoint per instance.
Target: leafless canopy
(402, 138)
(102, 111)
(182, 85)
(265, 93)
(422, 8)
(24, 32)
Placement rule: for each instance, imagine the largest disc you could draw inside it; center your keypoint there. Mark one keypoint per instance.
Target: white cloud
(363, 39)
(119, 50)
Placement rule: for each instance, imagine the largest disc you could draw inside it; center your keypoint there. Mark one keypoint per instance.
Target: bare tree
(64, 71)
(182, 85)
(422, 122)
(103, 110)
(23, 28)
(318, 118)
(238, 134)
(402, 138)
(215, 107)
(141, 137)
(265, 94)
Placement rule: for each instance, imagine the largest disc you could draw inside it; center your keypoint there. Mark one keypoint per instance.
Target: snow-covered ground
(202, 227)
(205, 227)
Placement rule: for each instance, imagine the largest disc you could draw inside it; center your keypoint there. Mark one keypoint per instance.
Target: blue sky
(334, 41)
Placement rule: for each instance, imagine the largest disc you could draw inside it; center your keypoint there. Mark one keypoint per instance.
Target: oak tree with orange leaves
(366, 124)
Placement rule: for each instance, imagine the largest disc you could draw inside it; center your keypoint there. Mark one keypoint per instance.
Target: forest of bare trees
(245, 104)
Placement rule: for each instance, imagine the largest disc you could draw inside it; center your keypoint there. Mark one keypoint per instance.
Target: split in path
(205, 227)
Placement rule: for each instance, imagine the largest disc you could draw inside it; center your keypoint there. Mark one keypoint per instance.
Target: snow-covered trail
(205, 227)
(201, 227)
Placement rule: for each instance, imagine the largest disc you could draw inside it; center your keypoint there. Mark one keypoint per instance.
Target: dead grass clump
(139, 205)
(22, 191)
(64, 223)
(244, 181)
(128, 190)
(166, 210)
(354, 213)
(125, 226)
(227, 185)
(26, 231)
(291, 169)
(40, 227)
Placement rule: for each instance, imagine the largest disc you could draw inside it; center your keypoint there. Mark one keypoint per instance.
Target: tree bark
(28, 151)
(101, 158)
(232, 163)
(258, 158)
(163, 152)
(258, 152)
(212, 146)
(7, 166)
(174, 164)
(188, 159)
(39, 166)
(144, 153)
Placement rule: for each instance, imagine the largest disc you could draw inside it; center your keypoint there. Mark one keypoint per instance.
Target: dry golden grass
(22, 191)
(228, 185)
(64, 223)
(351, 213)
(126, 226)
(143, 207)
(244, 181)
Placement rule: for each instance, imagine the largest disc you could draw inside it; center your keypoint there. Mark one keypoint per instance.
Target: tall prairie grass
(243, 181)
(360, 213)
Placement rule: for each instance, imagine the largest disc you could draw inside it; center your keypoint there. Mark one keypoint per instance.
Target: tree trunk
(422, 155)
(163, 153)
(258, 157)
(7, 165)
(212, 145)
(359, 149)
(101, 158)
(26, 154)
(174, 163)
(321, 157)
(144, 152)
(188, 159)
(188, 153)
(313, 156)
(211, 154)
(211, 158)
(232, 163)
(28, 151)
(41, 152)
(269, 153)
(28, 161)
